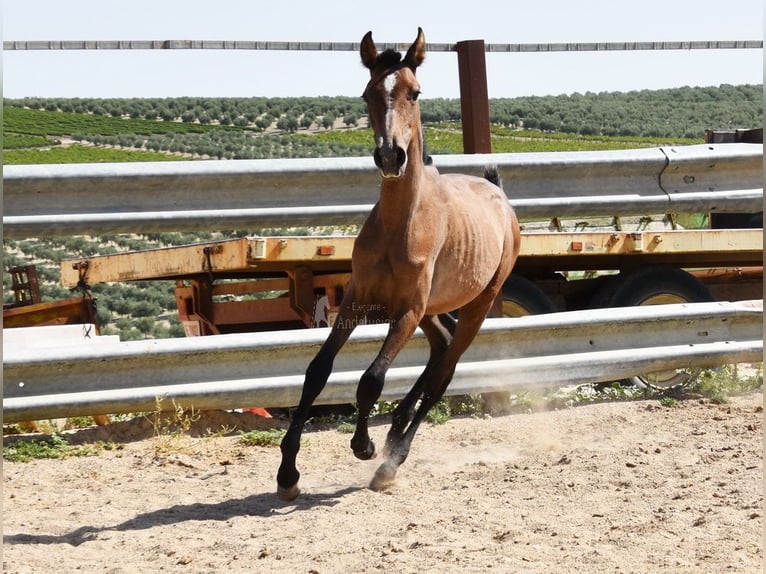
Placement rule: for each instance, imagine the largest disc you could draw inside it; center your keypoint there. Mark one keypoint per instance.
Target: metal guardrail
(72, 199)
(266, 369)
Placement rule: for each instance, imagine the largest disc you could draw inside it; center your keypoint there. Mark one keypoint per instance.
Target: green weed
(52, 447)
(346, 427)
(268, 437)
(721, 383)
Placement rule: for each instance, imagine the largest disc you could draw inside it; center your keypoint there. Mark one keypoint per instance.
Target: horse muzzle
(391, 160)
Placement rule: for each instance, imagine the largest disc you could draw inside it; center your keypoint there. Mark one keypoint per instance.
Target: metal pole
(474, 98)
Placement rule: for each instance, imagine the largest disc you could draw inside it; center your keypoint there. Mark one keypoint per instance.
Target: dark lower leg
(316, 376)
(434, 382)
(368, 392)
(438, 331)
(398, 444)
(371, 383)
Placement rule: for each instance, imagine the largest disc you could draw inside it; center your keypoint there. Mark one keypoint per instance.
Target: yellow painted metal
(584, 250)
(247, 253)
(584, 244)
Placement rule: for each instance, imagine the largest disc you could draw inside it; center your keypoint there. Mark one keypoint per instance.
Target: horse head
(392, 103)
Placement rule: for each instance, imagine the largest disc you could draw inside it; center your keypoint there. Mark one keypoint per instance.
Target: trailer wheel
(522, 297)
(659, 286)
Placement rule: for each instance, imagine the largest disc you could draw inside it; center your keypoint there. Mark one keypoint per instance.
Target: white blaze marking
(388, 84)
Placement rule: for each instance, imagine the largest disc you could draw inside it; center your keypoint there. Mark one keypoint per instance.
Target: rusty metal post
(474, 99)
(301, 281)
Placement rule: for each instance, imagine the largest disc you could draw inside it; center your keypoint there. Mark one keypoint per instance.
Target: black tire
(603, 293)
(522, 297)
(657, 286)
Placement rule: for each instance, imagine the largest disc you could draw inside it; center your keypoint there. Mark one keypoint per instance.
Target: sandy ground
(617, 487)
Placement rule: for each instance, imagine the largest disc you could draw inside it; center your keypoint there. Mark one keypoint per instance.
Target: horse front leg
(372, 381)
(317, 374)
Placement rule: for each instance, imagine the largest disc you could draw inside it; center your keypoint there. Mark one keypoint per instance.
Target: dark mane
(389, 58)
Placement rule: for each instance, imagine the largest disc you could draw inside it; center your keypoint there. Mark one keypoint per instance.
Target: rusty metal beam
(474, 98)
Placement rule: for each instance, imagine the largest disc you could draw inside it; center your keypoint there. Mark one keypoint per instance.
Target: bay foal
(432, 244)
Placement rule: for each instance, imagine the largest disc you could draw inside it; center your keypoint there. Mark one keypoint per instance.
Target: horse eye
(414, 95)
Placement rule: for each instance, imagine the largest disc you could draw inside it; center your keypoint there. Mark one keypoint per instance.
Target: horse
(432, 244)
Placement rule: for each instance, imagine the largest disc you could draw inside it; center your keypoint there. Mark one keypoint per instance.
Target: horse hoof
(384, 478)
(366, 454)
(288, 493)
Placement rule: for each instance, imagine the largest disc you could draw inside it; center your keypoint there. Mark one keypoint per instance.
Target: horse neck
(399, 197)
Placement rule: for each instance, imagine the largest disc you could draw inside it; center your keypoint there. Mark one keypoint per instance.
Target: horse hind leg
(434, 383)
(438, 331)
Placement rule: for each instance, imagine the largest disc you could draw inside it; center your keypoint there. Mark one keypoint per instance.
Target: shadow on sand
(261, 505)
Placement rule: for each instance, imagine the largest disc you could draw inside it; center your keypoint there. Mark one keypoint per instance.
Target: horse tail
(492, 175)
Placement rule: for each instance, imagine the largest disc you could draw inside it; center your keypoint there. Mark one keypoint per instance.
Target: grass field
(35, 137)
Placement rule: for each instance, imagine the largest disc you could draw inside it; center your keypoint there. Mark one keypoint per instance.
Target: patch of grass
(721, 383)
(440, 413)
(669, 402)
(346, 427)
(590, 393)
(268, 437)
(45, 123)
(79, 422)
(16, 141)
(52, 447)
(83, 154)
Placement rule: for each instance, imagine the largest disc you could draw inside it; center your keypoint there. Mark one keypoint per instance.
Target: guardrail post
(474, 99)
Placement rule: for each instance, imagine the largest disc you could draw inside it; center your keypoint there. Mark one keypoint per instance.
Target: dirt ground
(614, 487)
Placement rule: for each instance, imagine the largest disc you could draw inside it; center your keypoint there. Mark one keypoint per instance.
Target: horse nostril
(390, 160)
(401, 157)
(376, 157)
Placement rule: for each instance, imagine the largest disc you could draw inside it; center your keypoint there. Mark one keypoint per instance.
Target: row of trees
(676, 112)
(222, 144)
(258, 113)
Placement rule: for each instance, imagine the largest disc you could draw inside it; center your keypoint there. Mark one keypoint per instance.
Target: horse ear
(367, 51)
(417, 52)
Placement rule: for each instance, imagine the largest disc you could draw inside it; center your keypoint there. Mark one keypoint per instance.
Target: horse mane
(389, 58)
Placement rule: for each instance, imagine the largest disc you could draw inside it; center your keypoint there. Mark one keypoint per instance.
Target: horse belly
(459, 277)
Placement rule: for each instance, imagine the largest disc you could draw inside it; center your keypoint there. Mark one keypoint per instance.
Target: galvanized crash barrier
(72, 199)
(266, 369)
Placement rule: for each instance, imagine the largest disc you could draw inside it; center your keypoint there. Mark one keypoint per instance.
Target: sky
(244, 73)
